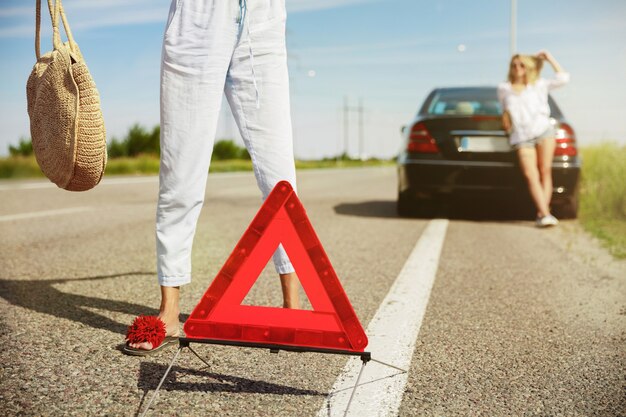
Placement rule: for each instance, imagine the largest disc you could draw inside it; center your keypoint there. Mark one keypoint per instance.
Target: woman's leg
(545, 153)
(169, 311)
(197, 47)
(290, 286)
(258, 71)
(528, 163)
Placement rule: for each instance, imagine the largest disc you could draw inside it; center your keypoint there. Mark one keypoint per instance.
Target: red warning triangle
(332, 324)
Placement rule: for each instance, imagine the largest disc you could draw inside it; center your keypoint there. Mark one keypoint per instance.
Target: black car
(456, 147)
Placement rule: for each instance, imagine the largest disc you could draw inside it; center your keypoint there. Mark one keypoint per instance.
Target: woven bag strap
(56, 10)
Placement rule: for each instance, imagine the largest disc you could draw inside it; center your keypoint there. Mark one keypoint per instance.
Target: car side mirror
(402, 129)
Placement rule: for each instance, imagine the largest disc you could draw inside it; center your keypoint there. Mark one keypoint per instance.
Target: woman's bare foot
(168, 312)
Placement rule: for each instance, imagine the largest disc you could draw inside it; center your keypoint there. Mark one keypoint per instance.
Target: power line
(347, 109)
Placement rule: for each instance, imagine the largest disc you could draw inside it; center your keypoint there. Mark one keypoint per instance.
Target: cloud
(84, 15)
(298, 6)
(15, 11)
(17, 21)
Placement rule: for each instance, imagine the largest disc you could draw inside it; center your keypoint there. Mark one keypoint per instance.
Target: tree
(23, 148)
(117, 149)
(140, 141)
(227, 149)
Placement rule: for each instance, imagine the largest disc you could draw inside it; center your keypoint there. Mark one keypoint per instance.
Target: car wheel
(406, 206)
(409, 206)
(567, 210)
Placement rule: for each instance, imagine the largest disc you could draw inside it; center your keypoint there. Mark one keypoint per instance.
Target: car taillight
(565, 141)
(421, 141)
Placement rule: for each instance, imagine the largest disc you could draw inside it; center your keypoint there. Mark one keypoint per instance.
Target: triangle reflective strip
(332, 324)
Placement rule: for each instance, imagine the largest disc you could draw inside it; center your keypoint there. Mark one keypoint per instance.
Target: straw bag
(66, 123)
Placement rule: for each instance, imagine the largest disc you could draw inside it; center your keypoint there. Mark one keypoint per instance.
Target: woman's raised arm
(561, 76)
(547, 56)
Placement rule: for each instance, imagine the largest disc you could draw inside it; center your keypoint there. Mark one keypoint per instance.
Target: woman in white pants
(211, 47)
(524, 99)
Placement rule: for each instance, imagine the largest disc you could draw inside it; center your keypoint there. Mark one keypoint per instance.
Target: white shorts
(531, 143)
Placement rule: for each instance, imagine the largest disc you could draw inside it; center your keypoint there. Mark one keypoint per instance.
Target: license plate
(484, 144)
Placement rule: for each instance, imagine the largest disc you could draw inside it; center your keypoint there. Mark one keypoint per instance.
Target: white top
(529, 109)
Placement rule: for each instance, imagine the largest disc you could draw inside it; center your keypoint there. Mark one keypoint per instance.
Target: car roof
(471, 88)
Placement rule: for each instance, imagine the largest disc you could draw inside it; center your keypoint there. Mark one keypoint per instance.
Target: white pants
(211, 47)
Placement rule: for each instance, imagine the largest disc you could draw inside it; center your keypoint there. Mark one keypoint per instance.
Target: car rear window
(464, 101)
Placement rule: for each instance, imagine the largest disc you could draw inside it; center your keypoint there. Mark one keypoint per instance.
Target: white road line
(106, 181)
(35, 185)
(46, 213)
(26, 186)
(392, 335)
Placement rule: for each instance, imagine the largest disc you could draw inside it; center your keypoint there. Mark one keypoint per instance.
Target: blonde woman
(526, 117)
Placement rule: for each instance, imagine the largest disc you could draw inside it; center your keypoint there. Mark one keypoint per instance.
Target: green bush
(23, 148)
(19, 167)
(138, 141)
(227, 149)
(117, 149)
(141, 141)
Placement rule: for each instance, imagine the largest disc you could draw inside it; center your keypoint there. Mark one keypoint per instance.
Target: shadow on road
(386, 209)
(188, 379)
(483, 210)
(42, 296)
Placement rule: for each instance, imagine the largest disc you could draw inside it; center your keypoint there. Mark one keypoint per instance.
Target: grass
(26, 167)
(150, 165)
(19, 167)
(602, 209)
(132, 166)
(343, 163)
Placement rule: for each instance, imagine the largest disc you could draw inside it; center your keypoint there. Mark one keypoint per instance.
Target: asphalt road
(519, 322)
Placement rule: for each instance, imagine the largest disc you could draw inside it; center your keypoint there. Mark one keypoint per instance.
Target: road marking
(9, 185)
(106, 181)
(392, 335)
(26, 186)
(46, 213)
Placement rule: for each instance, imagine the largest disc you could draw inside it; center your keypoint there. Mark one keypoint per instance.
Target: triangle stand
(186, 343)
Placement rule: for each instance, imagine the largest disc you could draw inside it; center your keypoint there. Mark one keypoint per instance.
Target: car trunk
(471, 138)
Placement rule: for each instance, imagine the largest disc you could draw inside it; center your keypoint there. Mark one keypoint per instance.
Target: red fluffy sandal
(147, 329)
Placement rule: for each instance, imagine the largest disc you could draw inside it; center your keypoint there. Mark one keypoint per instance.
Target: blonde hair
(532, 64)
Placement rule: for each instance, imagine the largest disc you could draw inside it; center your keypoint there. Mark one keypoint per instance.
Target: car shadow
(461, 209)
(42, 296)
(375, 208)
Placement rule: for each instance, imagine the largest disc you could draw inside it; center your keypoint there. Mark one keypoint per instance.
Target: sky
(388, 53)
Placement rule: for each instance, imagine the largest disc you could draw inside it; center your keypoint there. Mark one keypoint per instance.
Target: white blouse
(529, 109)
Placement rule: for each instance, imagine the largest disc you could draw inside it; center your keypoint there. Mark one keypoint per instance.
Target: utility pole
(347, 109)
(361, 144)
(513, 39)
(346, 125)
